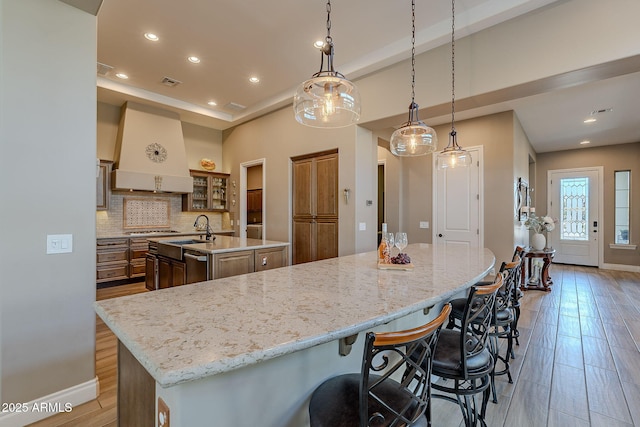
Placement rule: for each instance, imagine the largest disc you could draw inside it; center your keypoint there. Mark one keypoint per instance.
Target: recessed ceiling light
(122, 76)
(151, 36)
(212, 103)
(590, 120)
(194, 59)
(585, 142)
(254, 79)
(318, 44)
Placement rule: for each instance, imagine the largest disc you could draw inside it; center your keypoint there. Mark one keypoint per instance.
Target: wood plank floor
(578, 362)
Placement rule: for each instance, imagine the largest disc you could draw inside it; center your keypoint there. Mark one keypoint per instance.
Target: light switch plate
(424, 224)
(363, 226)
(59, 243)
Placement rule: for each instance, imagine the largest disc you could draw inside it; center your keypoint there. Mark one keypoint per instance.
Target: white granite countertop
(191, 332)
(141, 234)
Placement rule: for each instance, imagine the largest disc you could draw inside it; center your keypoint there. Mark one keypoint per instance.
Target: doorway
(574, 197)
(253, 219)
(459, 203)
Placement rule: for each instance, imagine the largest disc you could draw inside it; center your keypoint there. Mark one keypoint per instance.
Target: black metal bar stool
(372, 397)
(464, 356)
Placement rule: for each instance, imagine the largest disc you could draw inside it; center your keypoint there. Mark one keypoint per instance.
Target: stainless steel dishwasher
(197, 266)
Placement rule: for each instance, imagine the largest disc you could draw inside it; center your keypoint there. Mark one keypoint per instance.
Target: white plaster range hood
(150, 153)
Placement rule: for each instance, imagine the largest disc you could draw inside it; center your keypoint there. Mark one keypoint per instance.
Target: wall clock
(156, 152)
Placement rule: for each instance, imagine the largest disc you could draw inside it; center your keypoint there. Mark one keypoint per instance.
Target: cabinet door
(103, 185)
(303, 199)
(326, 240)
(326, 186)
(233, 264)
(150, 272)
(165, 273)
(178, 273)
(304, 235)
(268, 258)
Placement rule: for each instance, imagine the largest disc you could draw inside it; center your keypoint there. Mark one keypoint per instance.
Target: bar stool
(464, 356)
(518, 254)
(372, 397)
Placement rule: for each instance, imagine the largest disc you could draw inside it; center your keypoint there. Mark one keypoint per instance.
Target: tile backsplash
(151, 212)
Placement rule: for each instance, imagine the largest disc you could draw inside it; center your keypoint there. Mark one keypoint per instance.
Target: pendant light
(327, 100)
(413, 138)
(453, 156)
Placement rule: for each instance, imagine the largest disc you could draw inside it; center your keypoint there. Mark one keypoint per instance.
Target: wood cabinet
(120, 259)
(103, 185)
(151, 272)
(269, 258)
(171, 273)
(315, 206)
(233, 264)
(209, 193)
(112, 259)
(254, 200)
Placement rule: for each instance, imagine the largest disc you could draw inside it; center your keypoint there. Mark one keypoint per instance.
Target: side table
(541, 282)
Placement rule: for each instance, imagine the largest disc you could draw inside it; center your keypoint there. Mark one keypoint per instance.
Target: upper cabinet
(103, 186)
(209, 192)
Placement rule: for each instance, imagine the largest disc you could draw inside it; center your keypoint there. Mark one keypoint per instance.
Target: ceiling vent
(235, 107)
(168, 81)
(104, 69)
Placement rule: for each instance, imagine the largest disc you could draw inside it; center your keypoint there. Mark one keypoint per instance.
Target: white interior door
(458, 204)
(574, 199)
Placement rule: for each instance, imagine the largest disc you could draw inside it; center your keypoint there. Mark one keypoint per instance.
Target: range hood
(150, 153)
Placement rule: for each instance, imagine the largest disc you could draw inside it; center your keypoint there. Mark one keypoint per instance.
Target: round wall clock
(156, 152)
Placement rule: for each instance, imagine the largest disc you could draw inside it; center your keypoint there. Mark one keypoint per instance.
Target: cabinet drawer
(114, 272)
(137, 268)
(111, 243)
(111, 256)
(266, 259)
(138, 253)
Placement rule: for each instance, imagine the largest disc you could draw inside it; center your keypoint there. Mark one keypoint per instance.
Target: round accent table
(534, 277)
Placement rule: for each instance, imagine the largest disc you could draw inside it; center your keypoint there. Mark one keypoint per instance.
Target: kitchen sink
(185, 242)
(173, 248)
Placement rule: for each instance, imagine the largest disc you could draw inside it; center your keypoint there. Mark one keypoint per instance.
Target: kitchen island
(249, 350)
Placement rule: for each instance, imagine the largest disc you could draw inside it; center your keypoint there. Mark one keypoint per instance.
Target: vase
(538, 241)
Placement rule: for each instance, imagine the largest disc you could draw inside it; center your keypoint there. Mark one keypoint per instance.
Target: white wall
(47, 186)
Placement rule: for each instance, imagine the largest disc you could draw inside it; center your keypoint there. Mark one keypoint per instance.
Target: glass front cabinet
(209, 193)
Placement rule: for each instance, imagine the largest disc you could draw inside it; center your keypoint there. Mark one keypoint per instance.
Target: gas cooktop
(150, 232)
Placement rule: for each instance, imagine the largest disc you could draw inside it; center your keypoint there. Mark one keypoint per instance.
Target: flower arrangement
(540, 224)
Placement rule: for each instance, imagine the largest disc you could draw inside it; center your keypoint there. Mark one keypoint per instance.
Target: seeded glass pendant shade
(413, 138)
(453, 156)
(327, 99)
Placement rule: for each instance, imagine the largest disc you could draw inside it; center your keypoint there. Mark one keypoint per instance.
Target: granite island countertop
(191, 332)
(223, 244)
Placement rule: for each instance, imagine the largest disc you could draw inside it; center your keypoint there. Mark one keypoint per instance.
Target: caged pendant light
(413, 138)
(327, 100)
(453, 156)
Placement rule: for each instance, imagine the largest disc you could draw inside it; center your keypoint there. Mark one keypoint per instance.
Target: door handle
(440, 235)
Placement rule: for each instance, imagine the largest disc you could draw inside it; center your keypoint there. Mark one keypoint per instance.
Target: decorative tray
(385, 266)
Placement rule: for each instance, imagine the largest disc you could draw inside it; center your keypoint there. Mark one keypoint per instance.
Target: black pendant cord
(453, 143)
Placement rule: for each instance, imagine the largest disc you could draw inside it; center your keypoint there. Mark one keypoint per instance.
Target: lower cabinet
(268, 258)
(151, 270)
(120, 259)
(233, 264)
(171, 273)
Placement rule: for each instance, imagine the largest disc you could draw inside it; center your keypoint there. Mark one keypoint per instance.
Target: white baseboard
(621, 267)
(60, 401)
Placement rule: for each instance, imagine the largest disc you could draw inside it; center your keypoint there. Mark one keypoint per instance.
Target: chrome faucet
(209, 235)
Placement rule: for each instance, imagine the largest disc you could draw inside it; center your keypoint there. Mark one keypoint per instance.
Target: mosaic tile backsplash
(153, 211)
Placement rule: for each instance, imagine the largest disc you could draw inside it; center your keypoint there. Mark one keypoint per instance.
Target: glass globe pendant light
(413, 138)
(327, 99)
(453, 156)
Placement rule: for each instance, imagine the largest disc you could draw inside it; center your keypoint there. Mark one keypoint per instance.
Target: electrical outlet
(163, 413)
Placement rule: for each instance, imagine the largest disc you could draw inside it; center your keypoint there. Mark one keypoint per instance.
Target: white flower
(540, 224)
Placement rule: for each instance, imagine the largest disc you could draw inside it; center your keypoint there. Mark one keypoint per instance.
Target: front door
(458, 202)
(574, 200)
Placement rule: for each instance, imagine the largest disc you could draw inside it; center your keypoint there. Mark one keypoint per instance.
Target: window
(574, 212)
(623, 183)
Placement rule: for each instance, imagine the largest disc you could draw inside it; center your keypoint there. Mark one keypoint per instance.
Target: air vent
(234, 106)
(104, 69)
(168, 81)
